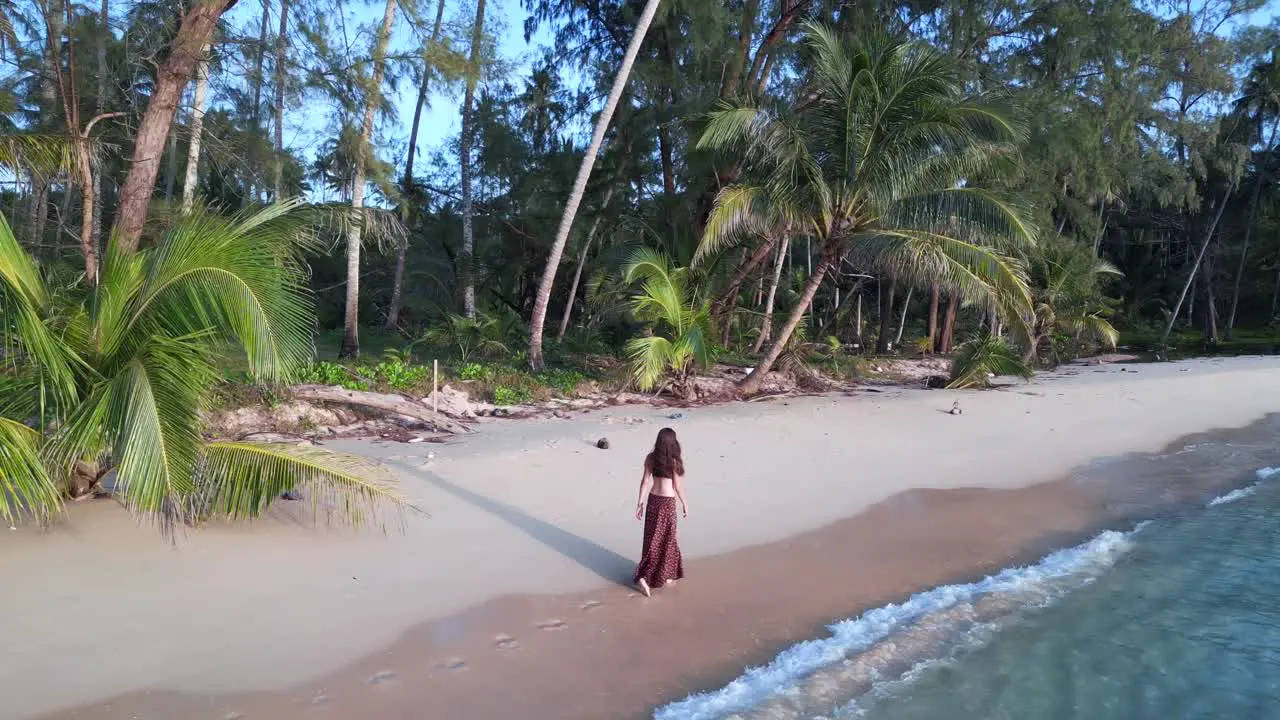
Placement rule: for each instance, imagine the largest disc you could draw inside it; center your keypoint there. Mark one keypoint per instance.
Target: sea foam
(1039, 584)
(1263, 475)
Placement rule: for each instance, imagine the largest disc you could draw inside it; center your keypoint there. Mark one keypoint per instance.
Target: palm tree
(107, 385)
(1069, 299)
(539, 318)
(878, 163)
(679, 324)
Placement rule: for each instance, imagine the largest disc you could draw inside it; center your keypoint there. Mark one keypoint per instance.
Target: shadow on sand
(598, 559)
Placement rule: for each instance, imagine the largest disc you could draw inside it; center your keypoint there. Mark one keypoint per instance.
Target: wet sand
(514, 581)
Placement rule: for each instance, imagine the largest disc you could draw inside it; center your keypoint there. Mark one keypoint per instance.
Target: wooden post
(435, 386)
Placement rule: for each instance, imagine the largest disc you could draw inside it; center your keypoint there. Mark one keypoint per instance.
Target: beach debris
(603, 443)
(675, 416)
(955, 408)
(290, 495)
(384, 402)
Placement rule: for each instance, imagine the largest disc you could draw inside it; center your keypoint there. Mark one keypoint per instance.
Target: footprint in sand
(381, 677)
(590, 605)
(454, 664)
(320, 698)
(553, 624)
(505, 642)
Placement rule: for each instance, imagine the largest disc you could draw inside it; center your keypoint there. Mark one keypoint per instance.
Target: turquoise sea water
(1178, 617)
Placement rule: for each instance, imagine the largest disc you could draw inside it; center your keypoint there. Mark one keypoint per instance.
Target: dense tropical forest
(204, 194)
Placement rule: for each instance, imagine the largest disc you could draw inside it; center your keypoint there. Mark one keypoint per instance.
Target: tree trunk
(739, 61)
(1248, 229)
(351, 317)
(278, 185)
(386, 402)
(1210, 301)
(902, 322)
(186, 50)
(259, 61)
(750, 385)
(729, 297)
(857, 320)
(192, 176)
(467, 257)
(766, 325)
(580, 185)
(171, 168)
(1195, 268)
(949, 324)
(95, 193)
(402, 251)
(933, 319)
(582, 261)
(888, 288)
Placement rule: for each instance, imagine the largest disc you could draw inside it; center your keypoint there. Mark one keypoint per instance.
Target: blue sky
(307, 127)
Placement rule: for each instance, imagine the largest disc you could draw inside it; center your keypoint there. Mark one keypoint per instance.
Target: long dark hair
(665, 460)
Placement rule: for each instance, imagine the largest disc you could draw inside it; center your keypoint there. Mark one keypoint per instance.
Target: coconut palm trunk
(750, 385)
(902, 320)
(933, 318)
(351, 316)
(192, 176)
(466, 259)
(537, 322)
(766, 325)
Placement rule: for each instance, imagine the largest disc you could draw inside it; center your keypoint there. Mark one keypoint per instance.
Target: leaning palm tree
(539, 318)
(878, 162)
(105, 386)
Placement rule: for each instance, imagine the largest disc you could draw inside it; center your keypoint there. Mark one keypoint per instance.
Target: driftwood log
(385, 402)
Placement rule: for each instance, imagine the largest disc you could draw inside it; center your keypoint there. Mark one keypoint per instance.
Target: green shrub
(327, 373)
(561, 381)
(506, 395)
(399, 374)
(474, 371)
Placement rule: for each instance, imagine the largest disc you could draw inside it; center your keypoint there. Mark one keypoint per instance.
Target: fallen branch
(386, 402)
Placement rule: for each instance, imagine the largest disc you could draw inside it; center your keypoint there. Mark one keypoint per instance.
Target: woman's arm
(678, 484)
(646, 483)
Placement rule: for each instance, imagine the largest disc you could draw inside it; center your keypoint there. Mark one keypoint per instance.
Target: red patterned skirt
(660, 562)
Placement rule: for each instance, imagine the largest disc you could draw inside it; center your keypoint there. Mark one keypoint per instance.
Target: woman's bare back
(662, 487)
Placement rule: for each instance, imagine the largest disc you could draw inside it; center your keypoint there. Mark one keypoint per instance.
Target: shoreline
(615, 641)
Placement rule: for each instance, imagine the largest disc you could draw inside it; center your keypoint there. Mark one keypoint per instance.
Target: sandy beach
(803, 511)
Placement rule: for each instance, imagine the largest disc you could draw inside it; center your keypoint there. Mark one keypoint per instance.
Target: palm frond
(650, 356)
(152, 423)
(41, 154)
(234, 277)
(976, 360)
(28, 338)
(240, 480)
(26, 488)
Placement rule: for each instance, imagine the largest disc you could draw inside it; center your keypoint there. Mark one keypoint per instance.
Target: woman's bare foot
(643, 585)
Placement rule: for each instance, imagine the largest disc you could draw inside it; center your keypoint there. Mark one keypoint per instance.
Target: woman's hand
(639, 511)
(686, 509)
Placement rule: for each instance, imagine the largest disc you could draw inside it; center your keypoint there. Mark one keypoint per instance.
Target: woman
(663, 482)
